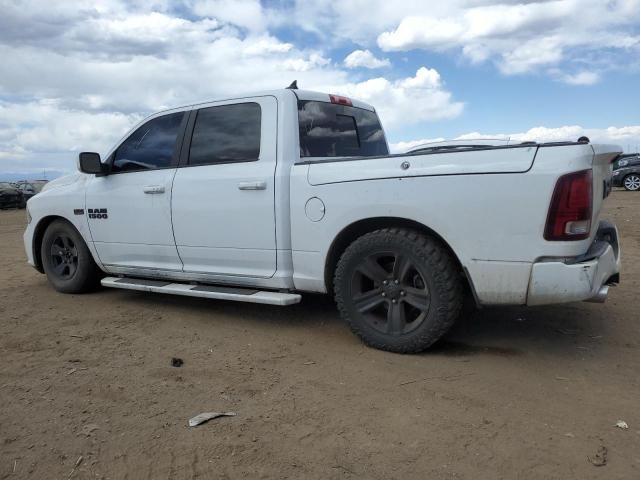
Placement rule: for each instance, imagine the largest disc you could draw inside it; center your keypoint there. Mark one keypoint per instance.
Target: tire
(632, 182)
(67, 261)
(398, 290)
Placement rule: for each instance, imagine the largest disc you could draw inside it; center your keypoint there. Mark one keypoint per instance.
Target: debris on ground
(309, 363)
(177, 362)
(78, 462)
(74, 370)
(622, 424)
(600, 458)
(206, 416)
(569, 435)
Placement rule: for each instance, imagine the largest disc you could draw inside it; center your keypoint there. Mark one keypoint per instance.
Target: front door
(129, 210)
(223, 195)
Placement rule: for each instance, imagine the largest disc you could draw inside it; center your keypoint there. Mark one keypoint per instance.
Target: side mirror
(89, 162)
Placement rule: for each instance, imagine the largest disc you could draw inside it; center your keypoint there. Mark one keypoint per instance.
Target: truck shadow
(503, 332)
(508, 331)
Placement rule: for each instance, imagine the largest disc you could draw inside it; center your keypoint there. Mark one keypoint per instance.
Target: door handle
(252, 185)
(151, 189)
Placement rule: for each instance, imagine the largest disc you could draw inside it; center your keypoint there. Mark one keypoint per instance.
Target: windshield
(331, 130)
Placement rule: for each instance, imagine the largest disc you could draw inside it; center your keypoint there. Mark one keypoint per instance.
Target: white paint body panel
(219, 228)
(138, 231)
(454, 163)
(557, 282)
(489, 205)
(494, 222)
(58, 199)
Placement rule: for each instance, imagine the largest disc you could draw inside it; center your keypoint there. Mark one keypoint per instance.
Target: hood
(66, 180)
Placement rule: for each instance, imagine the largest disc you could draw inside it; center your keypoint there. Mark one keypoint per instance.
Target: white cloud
(78, 78)
(358, 21)
(243, 13)
(421, 32)
(267, 45)
(365, 59)
(626, 137)
(31, 132)
(405, 101)
(521, 37)
(77, 74)
(315, 60)
(581, 78)
(531, 55)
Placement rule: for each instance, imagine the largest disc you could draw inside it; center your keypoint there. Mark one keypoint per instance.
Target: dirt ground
(511, 393)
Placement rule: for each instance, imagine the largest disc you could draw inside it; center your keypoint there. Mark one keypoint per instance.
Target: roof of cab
(301, 94)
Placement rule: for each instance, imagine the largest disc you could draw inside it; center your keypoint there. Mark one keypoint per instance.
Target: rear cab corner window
(226, 134)
(153, 145)
(333, 130)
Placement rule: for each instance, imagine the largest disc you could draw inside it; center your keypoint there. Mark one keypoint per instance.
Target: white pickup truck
(262, 197)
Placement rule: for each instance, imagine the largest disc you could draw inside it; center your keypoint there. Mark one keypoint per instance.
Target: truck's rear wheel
(398, 290)
(632, 182)
(66, 260)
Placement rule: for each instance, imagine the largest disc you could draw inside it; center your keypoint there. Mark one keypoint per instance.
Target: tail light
(569, 215)
(337, 99)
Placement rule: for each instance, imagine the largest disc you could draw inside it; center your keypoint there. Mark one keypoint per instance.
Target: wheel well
(352, 232)
(37, 239)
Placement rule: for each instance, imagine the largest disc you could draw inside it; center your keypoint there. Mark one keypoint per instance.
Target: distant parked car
(626, 173)
(30, 188)
(11, 196)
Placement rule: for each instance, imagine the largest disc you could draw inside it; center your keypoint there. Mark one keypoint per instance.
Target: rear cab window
(334, 130)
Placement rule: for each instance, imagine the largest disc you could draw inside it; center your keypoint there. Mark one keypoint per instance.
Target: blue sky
(77, 75)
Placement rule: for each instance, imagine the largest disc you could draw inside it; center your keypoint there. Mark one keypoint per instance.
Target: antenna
(293, 86)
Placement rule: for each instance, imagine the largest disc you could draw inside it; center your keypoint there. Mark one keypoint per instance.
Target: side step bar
(202, 291)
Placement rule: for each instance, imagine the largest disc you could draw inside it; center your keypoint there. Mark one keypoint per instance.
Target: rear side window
(151, 146)
(226, 134)
(331, 130)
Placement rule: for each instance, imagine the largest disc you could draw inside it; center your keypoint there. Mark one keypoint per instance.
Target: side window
(226, 134)
(150, 146)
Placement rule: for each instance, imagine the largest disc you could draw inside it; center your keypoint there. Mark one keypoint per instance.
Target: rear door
(223, 193)
(129, 210)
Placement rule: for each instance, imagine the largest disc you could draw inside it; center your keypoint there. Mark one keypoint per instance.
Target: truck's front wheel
(398, 290)
(66, 260)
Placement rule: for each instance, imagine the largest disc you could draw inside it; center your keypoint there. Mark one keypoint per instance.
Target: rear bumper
(584, 278)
